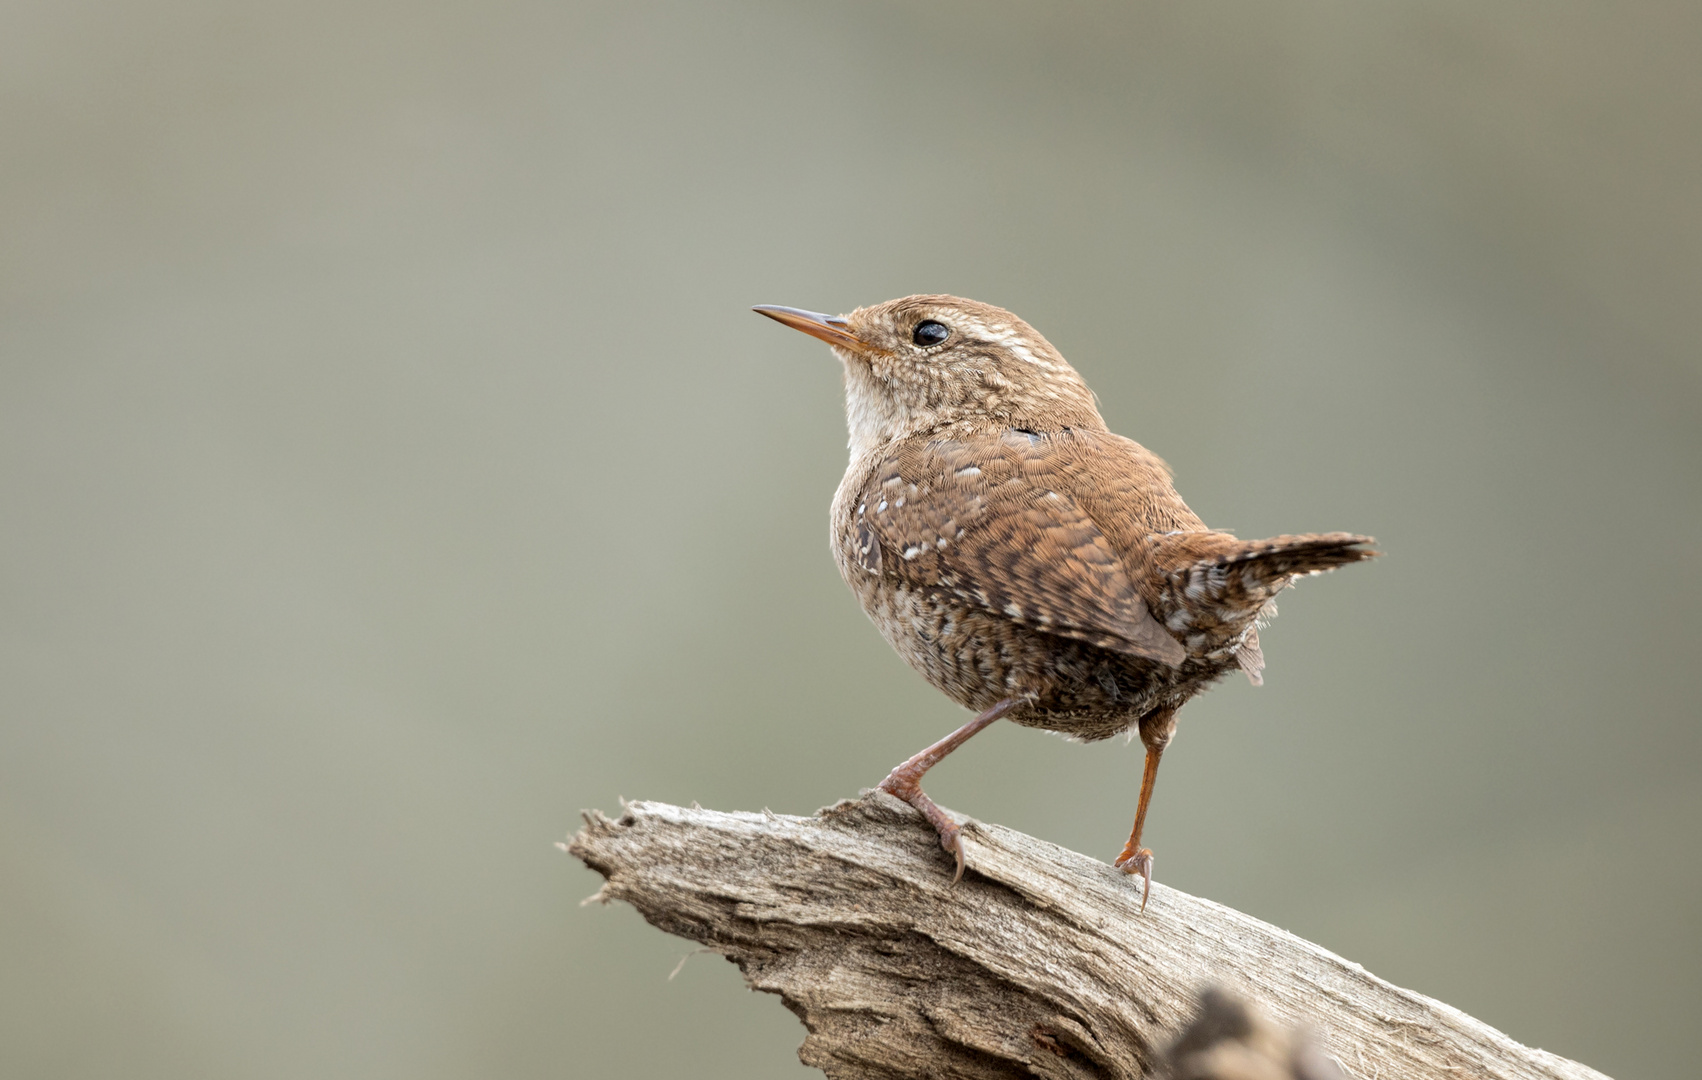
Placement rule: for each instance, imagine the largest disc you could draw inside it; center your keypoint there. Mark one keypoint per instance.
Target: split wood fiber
(1038, 963)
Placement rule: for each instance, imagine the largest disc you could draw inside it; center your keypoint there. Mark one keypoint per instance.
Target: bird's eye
(928, 332)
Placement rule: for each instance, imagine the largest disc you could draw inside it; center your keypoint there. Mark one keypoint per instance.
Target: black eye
(928, 332)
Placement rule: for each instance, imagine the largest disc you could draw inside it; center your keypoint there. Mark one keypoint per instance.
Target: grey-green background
(391, 468)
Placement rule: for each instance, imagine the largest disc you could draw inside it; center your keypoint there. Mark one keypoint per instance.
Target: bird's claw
(1139, 863)
(951, 839)
(906, 788)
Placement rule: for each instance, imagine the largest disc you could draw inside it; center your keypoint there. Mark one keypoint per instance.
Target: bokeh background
(391, 468)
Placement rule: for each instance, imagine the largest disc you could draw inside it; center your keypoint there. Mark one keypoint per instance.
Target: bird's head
(926, 364)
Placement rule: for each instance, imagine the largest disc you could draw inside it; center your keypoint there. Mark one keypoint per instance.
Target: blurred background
(391, 467)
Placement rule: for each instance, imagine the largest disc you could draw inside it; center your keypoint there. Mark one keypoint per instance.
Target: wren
(1032, 565)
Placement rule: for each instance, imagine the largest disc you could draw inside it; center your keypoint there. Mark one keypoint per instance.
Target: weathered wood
(1038, 963)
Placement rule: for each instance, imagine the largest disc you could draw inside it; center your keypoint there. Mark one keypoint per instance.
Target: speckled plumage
(1021, 556)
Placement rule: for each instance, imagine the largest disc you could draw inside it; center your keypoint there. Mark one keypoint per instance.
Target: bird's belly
(979, 658)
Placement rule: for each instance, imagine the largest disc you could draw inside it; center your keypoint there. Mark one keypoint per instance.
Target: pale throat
(875, 419)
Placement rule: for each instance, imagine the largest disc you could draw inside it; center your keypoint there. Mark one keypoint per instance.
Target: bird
(1028, 562)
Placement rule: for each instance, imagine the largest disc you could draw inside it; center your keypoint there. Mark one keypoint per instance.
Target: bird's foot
(910, 791)
(951, 839)
(1138, 862)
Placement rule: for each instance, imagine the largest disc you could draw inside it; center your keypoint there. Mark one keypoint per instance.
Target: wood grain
(1039, 963)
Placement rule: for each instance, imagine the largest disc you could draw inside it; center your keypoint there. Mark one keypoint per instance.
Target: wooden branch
(1038, 963)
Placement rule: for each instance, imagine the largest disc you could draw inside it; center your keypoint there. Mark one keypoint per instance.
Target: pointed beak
(830, 328)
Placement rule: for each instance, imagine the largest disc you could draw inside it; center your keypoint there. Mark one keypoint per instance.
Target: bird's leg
(906, 780)
(1156, 730)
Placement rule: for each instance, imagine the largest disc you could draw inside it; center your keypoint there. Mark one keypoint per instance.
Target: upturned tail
(1216, 589)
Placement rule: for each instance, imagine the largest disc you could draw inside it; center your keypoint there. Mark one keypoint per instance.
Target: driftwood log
(1038, 963)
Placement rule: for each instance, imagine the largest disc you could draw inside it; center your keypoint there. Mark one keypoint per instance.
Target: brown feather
(1025, 560)
(991, 523)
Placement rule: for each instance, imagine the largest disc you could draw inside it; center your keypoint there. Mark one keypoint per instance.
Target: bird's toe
(1139, 862)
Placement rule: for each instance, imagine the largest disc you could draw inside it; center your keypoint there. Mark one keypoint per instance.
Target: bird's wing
(992, 521)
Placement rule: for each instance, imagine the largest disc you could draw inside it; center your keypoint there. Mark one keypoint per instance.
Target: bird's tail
(1274, 563)
(1216, 588)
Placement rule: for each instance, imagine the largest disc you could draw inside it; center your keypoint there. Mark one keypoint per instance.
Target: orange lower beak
(832, 329)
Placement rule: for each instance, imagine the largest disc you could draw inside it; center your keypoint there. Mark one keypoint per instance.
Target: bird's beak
(830, 328)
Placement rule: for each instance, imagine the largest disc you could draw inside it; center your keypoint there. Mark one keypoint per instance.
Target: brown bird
(1027, 561)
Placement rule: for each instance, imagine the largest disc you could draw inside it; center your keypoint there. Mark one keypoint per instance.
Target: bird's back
(1012, 562)
(1063, 565)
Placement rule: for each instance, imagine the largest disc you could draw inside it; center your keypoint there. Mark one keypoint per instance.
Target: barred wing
(992, 522)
